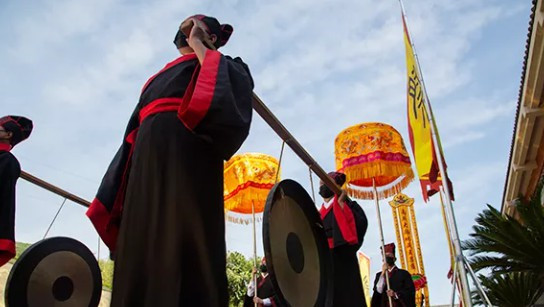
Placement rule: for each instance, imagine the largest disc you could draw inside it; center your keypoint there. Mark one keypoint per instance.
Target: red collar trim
(324, 211)
(5, 147)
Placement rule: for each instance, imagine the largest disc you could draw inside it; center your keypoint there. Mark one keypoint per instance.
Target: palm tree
(512, 250)
(517, 289)
(504, 244)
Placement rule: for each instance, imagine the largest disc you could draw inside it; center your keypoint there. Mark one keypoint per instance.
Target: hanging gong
(296, 249)
(56, 271)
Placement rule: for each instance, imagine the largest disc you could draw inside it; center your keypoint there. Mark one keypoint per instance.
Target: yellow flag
(419, 128)
(364, 268)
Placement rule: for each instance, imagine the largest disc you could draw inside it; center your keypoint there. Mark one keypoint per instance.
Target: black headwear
(222, 31)
(19, 126)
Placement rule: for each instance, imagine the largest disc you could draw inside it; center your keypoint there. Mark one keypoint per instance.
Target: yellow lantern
(247, 179)
(373, 153)
(376, 164)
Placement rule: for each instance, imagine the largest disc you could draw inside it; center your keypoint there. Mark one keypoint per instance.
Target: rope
(279, 162)
(53, 221)
(312, 183)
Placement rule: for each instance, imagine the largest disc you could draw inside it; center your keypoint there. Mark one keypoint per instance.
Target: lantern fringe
(383, 191)
(242, 219)
(377, 169)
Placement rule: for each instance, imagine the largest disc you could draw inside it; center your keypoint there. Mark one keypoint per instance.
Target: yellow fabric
(247, 180)
(373, 151)
(409, 247)
(364, 267)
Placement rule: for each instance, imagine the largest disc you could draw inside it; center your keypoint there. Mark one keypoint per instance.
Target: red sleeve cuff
(100, 218)
(7, 251)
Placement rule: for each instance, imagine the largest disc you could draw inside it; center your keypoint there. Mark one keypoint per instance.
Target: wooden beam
(46, 185)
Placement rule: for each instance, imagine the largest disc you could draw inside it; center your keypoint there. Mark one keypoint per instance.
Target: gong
(296, 249)
(56, 271)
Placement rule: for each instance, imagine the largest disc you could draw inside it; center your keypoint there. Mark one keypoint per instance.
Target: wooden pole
(289, 139)
(46, 185)
(381, 237)
(254, 251)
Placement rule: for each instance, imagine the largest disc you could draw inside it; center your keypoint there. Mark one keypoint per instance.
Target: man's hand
(196, 40)
(384, 268)
(342, 199)
(257, 300)
(197, 34)
(391, 293)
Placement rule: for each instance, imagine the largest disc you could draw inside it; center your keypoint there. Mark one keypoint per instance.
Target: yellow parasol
(248, 178)
(376, 164)
(373, 152)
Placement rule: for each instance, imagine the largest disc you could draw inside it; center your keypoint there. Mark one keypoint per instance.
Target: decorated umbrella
(248, 178)
(376, 164)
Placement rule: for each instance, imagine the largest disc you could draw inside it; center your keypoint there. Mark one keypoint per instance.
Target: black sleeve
(227, 121)
(407, 291)
(10, 171)
(361, 221)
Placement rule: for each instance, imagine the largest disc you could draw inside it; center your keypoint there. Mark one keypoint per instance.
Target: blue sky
(76, 68)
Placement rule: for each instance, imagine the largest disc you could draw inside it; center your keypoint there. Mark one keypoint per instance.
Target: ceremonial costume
(400, 282)
(265, 290)
(160, 204)
(10, 170)
(345, 230)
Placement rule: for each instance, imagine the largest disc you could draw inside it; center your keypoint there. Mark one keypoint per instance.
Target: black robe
(10, 170)
(401, 282)
(345, 230)
(265, 289)
(160, 205)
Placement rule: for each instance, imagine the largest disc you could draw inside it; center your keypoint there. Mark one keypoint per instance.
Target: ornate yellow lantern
(247, 179)
(373, 152)
(376, 164)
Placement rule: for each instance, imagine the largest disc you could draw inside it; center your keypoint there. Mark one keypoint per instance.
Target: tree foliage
(512, 251)
(238, 274)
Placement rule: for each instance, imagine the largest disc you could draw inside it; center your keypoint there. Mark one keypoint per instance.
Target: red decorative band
(374, 156)
(168, 104)
(246, 185)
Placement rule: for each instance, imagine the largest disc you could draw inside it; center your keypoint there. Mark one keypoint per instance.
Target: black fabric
(180, 40)
(10, 170)
(265, 290)
(400, 282)
(19, 126)
(339, 178)
(170, 250)
(348, 286)
(332, 229)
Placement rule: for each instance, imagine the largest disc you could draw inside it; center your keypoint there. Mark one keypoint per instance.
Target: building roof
(520, 105)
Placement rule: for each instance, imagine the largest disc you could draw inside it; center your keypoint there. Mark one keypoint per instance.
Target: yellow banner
(364, 267)
(419, 127)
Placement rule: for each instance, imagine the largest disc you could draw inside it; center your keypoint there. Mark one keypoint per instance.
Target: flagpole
(449, 208)
(386, 273)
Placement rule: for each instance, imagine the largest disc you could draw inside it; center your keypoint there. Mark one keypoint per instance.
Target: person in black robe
(402, 292)
(265, 290)
(345, 226)
(13, 130)
(159, 207)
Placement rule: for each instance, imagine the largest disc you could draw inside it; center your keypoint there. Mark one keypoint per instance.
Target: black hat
(19, 126)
